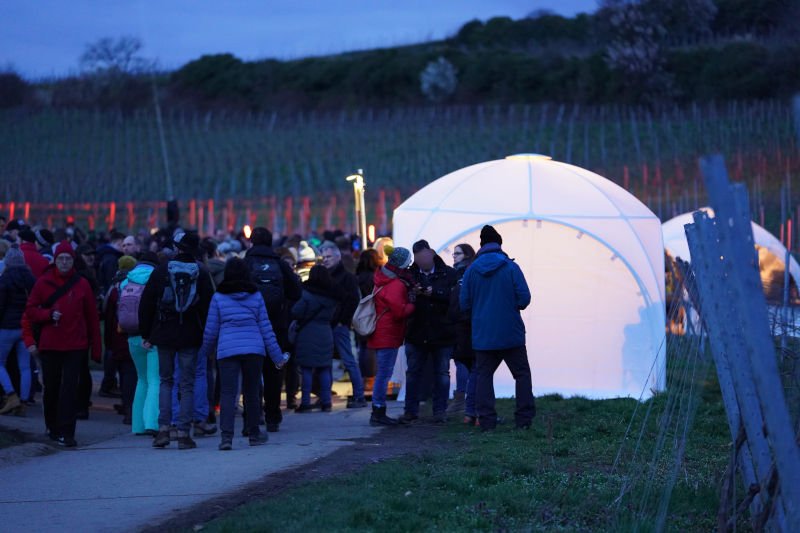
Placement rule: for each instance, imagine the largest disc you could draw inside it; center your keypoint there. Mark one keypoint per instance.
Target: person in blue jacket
(239, 327)
(494, 290)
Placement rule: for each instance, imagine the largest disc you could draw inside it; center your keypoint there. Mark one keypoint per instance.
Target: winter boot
(162, 438)
(185, 442)
(12, 403)
(379, 417)
(203, 429)
(457, 404)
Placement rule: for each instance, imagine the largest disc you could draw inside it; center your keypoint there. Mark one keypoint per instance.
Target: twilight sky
(43, 38)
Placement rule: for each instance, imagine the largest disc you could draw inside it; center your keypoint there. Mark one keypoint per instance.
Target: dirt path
(387, 444)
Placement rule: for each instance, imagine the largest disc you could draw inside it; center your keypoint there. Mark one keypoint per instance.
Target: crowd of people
(185, 326)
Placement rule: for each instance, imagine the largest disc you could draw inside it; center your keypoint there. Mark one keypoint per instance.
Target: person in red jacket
(392, 308)
(33, 258)
(69, 328)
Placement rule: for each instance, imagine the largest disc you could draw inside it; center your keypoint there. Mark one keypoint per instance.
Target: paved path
(115, 481)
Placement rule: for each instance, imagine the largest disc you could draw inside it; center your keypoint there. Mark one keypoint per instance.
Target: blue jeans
(324, 376)
(341, 337)
(9, 339)
(201, 406)
(462, 375)
(168, 360)
(469, 400)
(386, 358)
(417, 356)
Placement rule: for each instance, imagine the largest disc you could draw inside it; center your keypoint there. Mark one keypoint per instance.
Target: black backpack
(267, 275)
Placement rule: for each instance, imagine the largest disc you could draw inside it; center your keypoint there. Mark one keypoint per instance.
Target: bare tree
(115, 56)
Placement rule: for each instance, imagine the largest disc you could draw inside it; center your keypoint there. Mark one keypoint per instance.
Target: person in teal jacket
(144, 413)
(494, 290)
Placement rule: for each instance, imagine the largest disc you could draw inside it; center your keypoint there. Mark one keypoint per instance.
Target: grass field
(558, 475)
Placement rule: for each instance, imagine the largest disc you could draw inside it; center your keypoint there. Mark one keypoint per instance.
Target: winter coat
(314, 311)
(494, 290)
(462, 321)
(348, 283)
(35, 260)
(429, 325)
(292, 287)
(238, 323)
(79, 326)
(392, 308)
(107, 259)
(15, 285)
(162, 325)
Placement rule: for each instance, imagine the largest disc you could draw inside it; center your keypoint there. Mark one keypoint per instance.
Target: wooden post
(751, 355)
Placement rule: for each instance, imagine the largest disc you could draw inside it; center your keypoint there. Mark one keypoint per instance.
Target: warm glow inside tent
(592, 255)
(771, 255)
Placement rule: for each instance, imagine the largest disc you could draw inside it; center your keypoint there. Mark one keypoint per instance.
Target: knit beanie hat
(45, 237)
(14, 257)
(306, 253)
(64, 247)
(489, 234)
(398, 257)
(27, 235)
(126, 263)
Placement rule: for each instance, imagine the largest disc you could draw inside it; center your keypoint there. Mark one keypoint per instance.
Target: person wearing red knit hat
(62, 307)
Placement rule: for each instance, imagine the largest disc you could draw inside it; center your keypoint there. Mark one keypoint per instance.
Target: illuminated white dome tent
(593, 257)
(771, 254)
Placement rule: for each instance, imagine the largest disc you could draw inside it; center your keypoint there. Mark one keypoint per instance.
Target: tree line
(628, 52)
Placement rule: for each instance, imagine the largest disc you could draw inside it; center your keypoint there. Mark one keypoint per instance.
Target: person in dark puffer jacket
(314, 344)
(239, 328)
(16, 283)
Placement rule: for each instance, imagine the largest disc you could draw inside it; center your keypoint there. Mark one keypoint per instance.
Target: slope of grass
(556, 476)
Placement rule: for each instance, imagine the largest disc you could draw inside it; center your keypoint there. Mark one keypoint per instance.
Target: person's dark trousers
(249, 366)
(418, 357)
(127, 384)
(13, 372)
(273, 383)
(61, 374)
(84, 386)
(218, 388)
(292, 380)
(110, 369)
(366, 358)
(187, 362)
(212, 377)
(486, 364)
